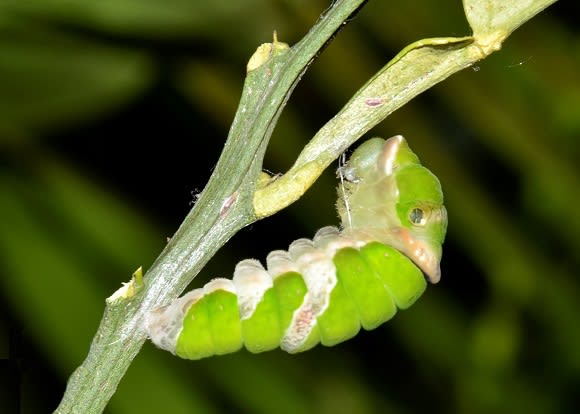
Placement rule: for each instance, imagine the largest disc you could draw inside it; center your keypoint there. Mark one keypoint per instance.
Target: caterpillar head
(391, 197)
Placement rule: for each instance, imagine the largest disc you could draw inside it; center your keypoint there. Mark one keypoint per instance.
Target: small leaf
(487, 17)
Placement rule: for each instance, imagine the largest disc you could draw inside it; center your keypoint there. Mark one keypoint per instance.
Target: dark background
(112, 115)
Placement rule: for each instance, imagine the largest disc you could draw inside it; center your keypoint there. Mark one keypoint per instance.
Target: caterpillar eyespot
(325, 289)
(418, 217)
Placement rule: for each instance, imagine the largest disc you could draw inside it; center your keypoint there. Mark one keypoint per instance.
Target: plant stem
(224, 207)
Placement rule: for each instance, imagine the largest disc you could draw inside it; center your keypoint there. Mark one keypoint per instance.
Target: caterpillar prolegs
(323, 290)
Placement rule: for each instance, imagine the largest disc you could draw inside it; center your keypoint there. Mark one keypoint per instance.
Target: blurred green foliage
(112, 115)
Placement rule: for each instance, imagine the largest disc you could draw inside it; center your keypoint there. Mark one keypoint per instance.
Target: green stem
(224, 207)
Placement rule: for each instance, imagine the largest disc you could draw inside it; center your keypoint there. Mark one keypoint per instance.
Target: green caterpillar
(324, 290)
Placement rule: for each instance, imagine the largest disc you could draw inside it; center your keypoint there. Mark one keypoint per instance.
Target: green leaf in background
(145, 18)
(65, 241)
(51, 78)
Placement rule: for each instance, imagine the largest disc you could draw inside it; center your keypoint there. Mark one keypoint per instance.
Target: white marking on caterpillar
(319, 274)
(251, 281)
(279, 262)
(219, 283)
(325, 235)
(331, 240)
(165, 323)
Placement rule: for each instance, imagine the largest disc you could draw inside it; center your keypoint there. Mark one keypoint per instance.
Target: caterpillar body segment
(324, 290)
(321, 294)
